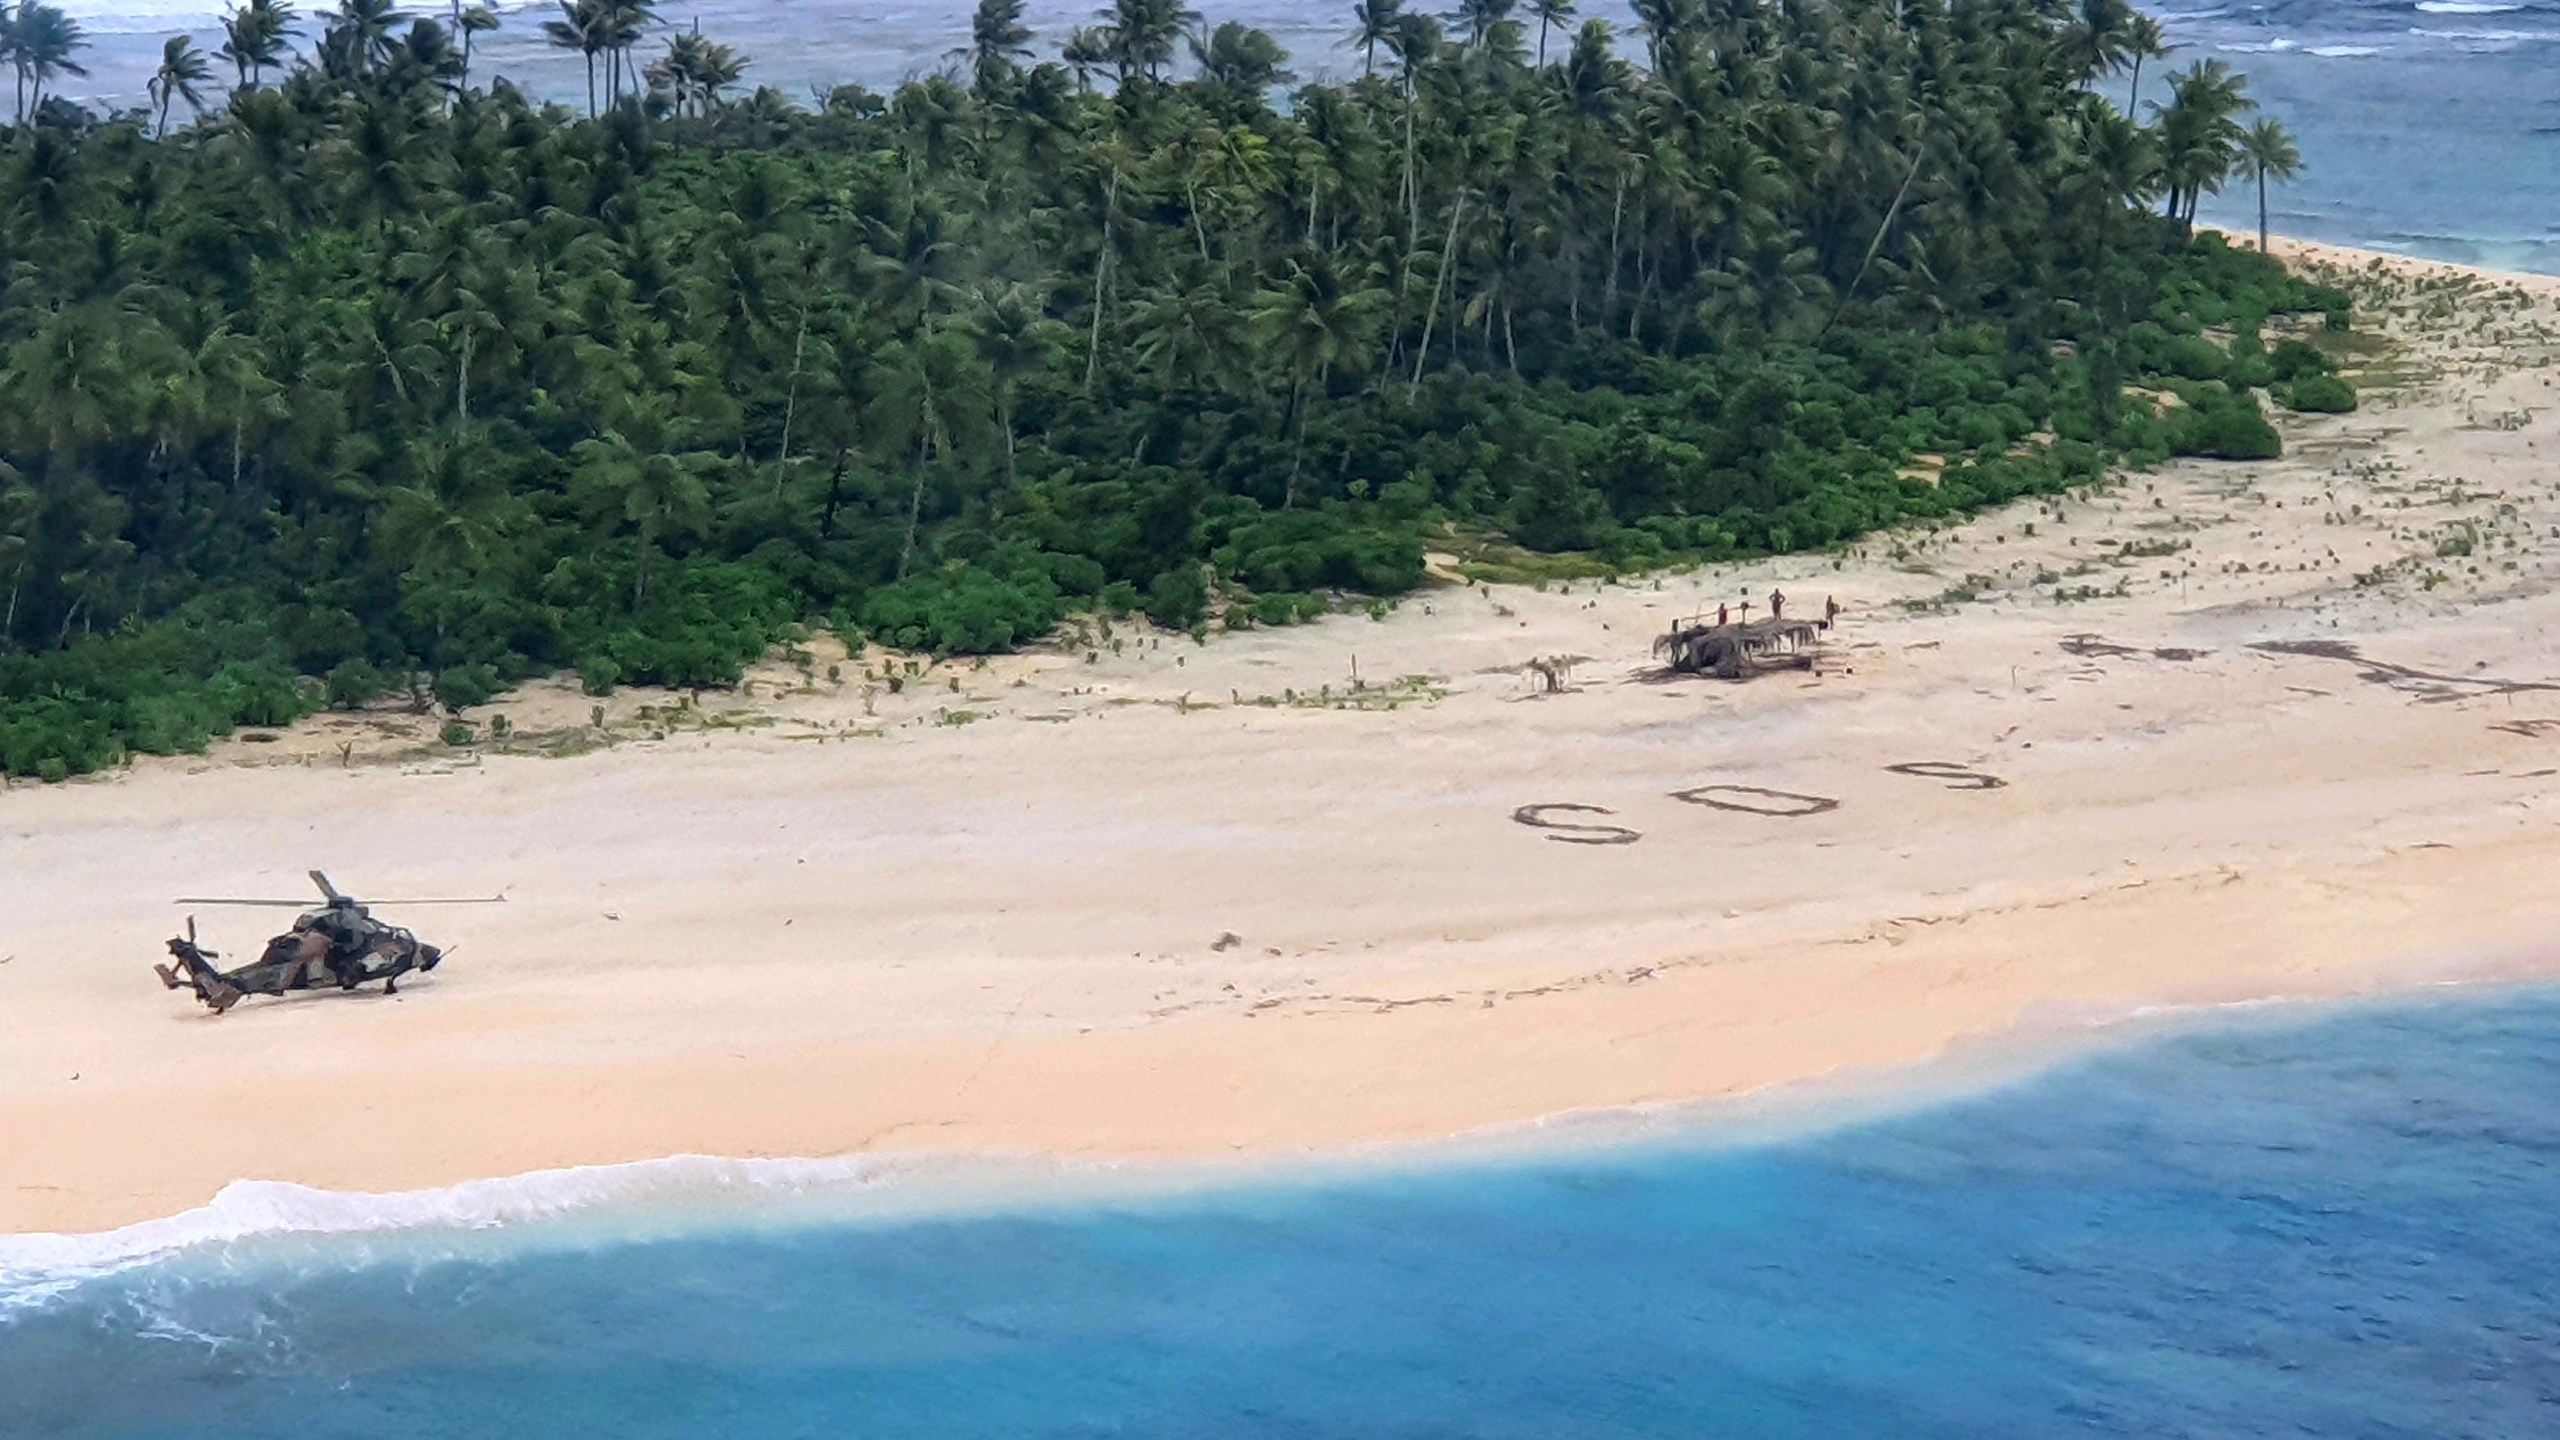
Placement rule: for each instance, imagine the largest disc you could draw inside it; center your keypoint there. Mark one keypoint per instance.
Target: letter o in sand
(1782, 804)
(1536, 817)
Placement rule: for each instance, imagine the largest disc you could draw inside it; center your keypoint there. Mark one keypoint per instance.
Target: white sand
(806, 939)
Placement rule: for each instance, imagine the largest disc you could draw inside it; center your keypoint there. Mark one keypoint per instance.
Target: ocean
(2428, 127)
(2316, 1221)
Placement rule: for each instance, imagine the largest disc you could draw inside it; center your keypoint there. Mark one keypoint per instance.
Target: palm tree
(1016, 342)
(473, 21)
(623, 22)
(927, 397)
(2143, 40)
(1086, 50)
(1325, 315)
(1552, 15)
(254, 38)
(2095, 43)
(998, 44)
(632, 474)
(2267, 148)
(1240, 61)
(694, 71)
(2199, 133)
(1143, 34)
(1478, 17)
(364, 27)
(1667, 26)
(582, 27)
(40, 42)
(183, 68)
(1374, 25)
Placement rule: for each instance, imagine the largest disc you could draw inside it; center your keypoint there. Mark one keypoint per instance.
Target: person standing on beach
(1724, 614)
(1777, 604)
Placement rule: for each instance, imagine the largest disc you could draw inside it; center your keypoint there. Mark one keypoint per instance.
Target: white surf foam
(2343, 52)
(37, 1267)
(2465, 7)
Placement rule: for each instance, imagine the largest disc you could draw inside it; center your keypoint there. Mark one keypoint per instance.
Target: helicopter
(334, 945)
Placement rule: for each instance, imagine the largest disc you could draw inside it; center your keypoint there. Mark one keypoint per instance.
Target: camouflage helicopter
(334, 945)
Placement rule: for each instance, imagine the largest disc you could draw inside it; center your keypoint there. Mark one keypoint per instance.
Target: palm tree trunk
(915, 512)
(1004, 419)
(1101, 279)
(1448, 262)
(1617, 218)
(1298, 460)
(791, 401)
(2262, 209)
(1877, 243)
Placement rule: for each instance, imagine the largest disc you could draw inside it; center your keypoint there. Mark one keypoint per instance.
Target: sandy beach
(2217, 732)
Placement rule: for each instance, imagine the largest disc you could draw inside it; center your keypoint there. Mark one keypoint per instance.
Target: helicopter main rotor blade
(284, 904)
(468, 900)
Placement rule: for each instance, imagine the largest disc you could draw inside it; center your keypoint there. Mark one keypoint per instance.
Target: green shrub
(1178, 599)
(458, 733)
(2292, 359)
(2191, 357)
(2318, 394)
(2221, 425)
(1277, 608)
(352, 683)
(598, 674)
(460, 687)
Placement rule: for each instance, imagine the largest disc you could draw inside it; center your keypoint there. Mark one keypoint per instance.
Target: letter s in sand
(1536, 816)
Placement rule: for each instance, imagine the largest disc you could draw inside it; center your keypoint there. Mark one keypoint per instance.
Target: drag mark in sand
(2429, 687)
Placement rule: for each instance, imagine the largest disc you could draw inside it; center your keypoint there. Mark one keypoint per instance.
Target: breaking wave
(35, 1268)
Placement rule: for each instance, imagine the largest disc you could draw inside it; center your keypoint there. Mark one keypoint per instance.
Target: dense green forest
(343, 368)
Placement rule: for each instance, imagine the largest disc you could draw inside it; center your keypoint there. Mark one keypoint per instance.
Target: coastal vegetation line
(362, 372)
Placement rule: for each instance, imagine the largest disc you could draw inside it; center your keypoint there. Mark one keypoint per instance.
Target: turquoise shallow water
(2338, 1224)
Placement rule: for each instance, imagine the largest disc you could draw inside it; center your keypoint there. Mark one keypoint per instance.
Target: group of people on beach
(1778, 609)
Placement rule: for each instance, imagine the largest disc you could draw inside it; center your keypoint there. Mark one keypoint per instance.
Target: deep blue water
(2345, 1225)
(2430, 126)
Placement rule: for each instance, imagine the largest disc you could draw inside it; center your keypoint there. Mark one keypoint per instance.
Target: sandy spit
(1137, 897)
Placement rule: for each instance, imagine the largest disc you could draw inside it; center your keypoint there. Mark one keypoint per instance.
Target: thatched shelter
(1742, 648)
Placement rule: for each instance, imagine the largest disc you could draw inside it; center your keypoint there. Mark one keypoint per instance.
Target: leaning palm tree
(2094, 44)
(2266, 147)
(183, 70)
(41, 41)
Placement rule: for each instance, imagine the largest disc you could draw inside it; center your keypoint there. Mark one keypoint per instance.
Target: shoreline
(1184, 903)
(684, 1195)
